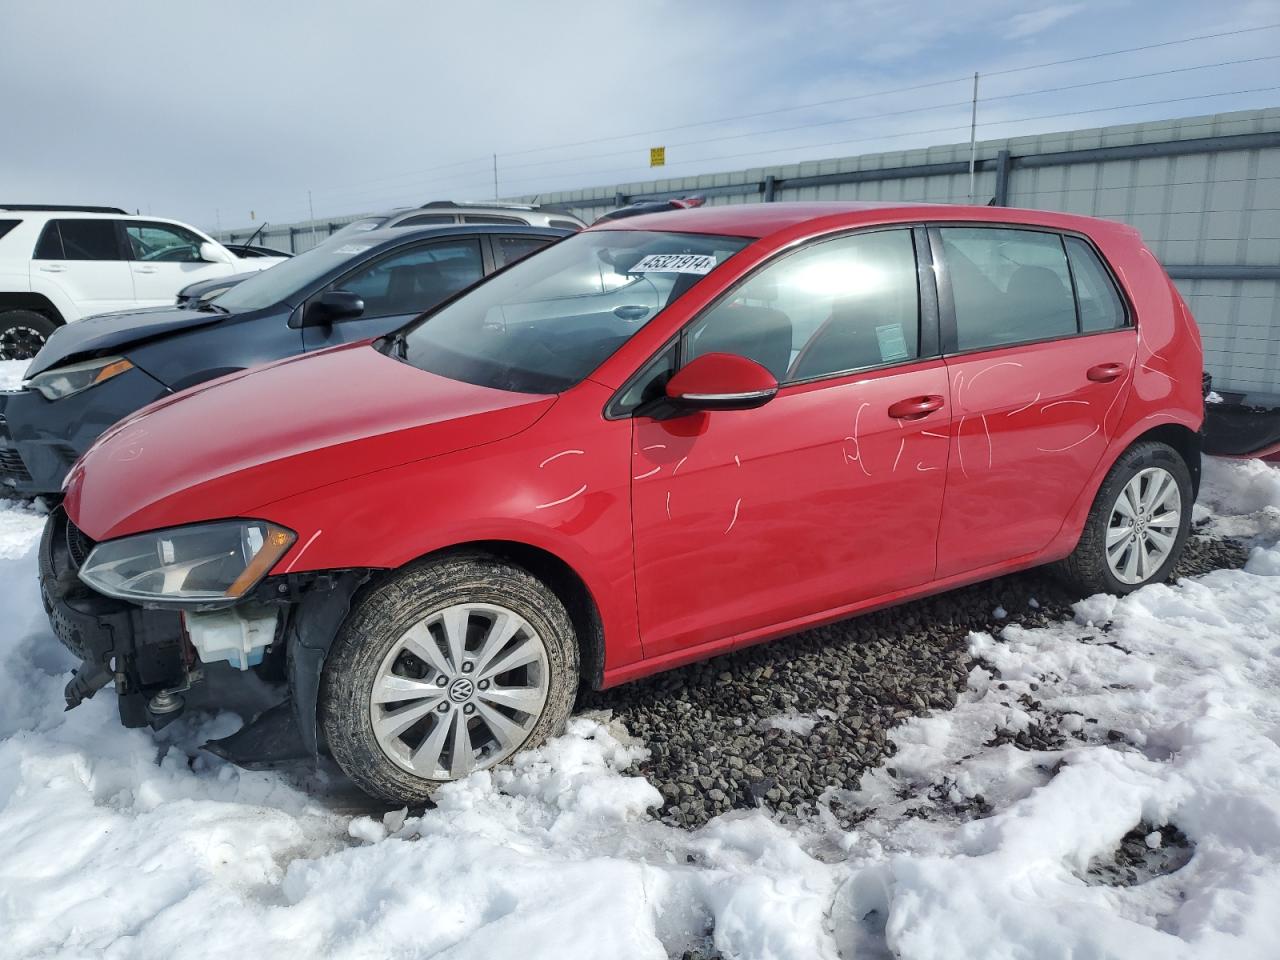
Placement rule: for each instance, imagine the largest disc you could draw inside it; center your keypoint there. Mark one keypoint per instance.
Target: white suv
(59, 264)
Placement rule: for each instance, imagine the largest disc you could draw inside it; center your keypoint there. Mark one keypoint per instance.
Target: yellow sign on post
(657, 156)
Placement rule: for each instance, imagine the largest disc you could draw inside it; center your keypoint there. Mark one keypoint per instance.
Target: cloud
(1028, 24)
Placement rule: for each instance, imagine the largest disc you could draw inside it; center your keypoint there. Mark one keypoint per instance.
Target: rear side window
(425, 219)
(79, 240)
(832, 307)
(7, 225)
(1100, 305)
(1007, 286)
(511, 249)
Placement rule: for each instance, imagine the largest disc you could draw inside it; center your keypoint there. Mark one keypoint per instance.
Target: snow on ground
(1165, 707)
(11, 372)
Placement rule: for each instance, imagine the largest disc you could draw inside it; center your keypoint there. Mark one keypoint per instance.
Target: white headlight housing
(205, 564)
(77, 377)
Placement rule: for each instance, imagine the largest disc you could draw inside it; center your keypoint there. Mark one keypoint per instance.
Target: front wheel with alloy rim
(1138, 525)
(451, 666)
(23, 333)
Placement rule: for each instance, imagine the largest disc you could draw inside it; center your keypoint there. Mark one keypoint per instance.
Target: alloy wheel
(459, 691)
(1143, 527)
(20, 343)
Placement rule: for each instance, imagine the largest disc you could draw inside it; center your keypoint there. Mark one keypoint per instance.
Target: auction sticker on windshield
(675, 263)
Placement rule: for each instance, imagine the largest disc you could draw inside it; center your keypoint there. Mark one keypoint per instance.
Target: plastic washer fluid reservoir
(231, 635)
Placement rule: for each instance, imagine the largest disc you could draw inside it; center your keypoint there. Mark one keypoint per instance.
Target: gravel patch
(778, 724)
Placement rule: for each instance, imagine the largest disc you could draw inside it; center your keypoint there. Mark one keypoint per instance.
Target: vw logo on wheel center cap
(461, 689)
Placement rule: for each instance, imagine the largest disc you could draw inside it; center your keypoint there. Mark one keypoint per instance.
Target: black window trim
(946, 302)
(927, 294)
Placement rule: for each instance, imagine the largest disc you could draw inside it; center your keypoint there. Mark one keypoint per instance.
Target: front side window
(162, 243)
(834, 306)
(1008, 286)
(412, 280)
(86, 240)
(548, 321)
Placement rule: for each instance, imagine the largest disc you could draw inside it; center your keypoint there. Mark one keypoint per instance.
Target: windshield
(547, 322)
(286, 278)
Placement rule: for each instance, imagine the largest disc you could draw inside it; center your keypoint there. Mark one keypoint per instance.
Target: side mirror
(331, 307)
(721, 381)
(212, 253)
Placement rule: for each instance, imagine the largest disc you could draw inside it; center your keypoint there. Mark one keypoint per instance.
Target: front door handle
(913, 408)
(146, 269)
(1105, 372)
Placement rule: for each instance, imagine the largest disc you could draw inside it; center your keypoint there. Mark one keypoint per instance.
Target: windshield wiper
(397, 345)
(214, 307)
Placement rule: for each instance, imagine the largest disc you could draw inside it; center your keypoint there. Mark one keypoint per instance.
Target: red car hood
(243, 441)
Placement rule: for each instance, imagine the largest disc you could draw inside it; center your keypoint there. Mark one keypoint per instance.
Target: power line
(948, 129)
(901, 113)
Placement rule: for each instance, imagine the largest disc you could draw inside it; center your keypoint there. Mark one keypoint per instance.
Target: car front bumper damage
(147, 654)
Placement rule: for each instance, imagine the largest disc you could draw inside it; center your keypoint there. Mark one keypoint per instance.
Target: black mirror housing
(332, 306)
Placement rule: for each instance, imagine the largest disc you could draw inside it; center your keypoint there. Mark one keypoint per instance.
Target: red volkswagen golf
(661, 439)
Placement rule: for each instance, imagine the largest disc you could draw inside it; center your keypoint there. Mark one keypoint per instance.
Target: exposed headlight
(204, 563)
(76, 377)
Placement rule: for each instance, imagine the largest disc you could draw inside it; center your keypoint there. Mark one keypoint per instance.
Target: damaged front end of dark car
(154, 653)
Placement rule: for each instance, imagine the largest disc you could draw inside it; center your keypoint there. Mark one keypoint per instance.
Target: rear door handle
(146, 269)
(913, 408)
(52, 267)
(1105, 372)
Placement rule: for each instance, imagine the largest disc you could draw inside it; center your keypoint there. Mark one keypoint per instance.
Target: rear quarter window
(1100, 305)
(7, 225)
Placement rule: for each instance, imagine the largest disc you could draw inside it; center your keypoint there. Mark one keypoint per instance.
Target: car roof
(758, 220)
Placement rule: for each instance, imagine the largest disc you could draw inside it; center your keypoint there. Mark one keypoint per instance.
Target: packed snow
(11, 372)
(1165, 708)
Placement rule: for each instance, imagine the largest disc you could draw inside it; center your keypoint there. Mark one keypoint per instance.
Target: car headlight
(203, 563)
(77, 377)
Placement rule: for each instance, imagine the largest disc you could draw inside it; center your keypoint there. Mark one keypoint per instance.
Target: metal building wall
(1204, 191)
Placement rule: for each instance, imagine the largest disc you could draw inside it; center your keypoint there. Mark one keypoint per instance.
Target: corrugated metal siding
(1198, 209)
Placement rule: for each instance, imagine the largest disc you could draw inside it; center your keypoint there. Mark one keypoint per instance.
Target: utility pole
(973, 137)
(495, 176)
(312, 209)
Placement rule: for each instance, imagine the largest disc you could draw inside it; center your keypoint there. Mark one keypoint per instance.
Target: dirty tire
(383, 614)
(23, 333)
(1086, 568)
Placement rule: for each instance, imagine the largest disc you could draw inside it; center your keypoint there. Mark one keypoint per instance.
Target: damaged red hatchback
(661, 439)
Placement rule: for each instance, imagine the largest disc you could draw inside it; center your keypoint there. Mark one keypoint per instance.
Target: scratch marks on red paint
(668, 504)
(1025, 405)
(1059, 403)
(555, 503)
(557, 456)
(856, 441)
(678, 466)
(299, 554)
(1069, 445)
(647, 473)
(923, 469)
(901, 444)
(736, 507)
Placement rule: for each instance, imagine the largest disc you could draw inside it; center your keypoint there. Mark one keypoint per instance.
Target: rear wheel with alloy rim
(450, 667)
(23, 333)
(1138, 525)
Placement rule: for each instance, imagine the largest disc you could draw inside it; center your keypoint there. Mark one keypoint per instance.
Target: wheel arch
(563, 580)
(36, 302)
(1183, 439)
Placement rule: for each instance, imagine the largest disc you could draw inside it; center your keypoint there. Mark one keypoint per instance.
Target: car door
(164, 258)
(83, 259)
(828, 495)
(1040, 354)
(398, 286)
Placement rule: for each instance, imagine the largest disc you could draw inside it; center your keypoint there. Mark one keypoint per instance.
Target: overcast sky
(209, 111)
